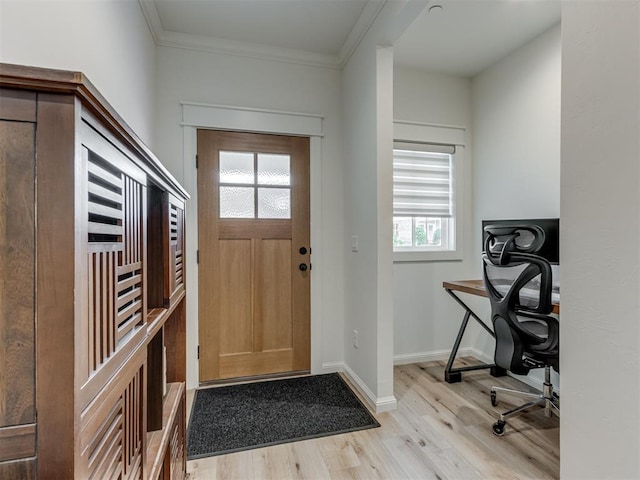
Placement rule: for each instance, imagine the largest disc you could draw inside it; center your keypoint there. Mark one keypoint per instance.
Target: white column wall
(106, 40)
(368, 152)
(600, 247)
(361, 198)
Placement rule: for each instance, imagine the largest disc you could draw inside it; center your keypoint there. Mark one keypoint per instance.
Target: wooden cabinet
(17, 283)
(92, 290)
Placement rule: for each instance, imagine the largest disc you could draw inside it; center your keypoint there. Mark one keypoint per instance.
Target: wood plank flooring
(439, 431)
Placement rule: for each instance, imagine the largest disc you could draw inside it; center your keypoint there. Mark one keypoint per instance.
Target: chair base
(547, 399)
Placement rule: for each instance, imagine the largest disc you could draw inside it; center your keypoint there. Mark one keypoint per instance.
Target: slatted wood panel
(177, 445)
(129, 299)
(105, 185)
(102, 288)
(105, 451)
(133, 427)
(112, 437)
(115, 233)
(176, 247)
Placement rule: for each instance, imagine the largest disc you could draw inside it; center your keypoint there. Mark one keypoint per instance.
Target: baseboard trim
(378, 405)
(436, 355)
(332, 367)
(536, 383)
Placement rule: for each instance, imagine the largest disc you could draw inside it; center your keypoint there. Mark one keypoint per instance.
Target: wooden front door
(254, 254)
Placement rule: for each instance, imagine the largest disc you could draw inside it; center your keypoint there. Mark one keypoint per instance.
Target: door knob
(303, 250)
(303, 267)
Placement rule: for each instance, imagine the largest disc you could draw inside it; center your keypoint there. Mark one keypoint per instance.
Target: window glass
(423, 206)
(274, 203)
(236, 167)
(273, 169)
(237, 202)
(254, 185)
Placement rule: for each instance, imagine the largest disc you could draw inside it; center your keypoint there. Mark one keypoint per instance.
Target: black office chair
(519, 286)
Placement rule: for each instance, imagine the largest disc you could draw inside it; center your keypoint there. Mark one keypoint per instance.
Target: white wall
(516, 134)
(107, 40)
(193, 76)
(368, 152)
(516, 143)
(426, 319)
(600, 249)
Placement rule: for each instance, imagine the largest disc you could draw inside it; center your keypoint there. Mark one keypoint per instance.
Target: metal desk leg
(453, 375)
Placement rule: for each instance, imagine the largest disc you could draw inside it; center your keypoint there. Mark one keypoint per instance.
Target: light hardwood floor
(439, 431)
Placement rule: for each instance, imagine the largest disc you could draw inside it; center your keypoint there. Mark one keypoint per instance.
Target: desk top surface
(476, 287)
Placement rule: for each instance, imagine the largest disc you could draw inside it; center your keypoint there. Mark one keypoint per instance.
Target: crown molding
(152, 18)
(366, 19)
(223, 46)
(245, 49)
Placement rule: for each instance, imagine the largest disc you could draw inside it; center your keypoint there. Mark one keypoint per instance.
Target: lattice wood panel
(177, 446)
(105, 452)
(113, 435)
(133, 427)
(115, 236)
(176, 247)
(130, 287)
(105, 185)
(102, 280)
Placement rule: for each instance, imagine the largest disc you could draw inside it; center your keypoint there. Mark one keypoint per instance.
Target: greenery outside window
(424, 201)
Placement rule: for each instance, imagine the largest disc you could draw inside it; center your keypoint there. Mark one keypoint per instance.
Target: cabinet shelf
(156, 317)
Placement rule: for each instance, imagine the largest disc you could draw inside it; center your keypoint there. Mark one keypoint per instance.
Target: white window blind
(422, 180)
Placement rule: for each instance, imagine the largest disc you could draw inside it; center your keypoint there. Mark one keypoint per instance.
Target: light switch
(354, 243)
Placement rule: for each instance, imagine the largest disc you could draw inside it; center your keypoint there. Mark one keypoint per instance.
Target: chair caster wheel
(498, 428)
(494, 398)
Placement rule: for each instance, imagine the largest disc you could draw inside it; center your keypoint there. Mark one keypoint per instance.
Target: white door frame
(232, 118)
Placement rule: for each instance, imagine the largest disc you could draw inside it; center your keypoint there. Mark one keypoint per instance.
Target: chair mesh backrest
(502, 278)
(511, 268)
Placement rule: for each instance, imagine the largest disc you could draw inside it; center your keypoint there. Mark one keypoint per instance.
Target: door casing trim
(235, 118)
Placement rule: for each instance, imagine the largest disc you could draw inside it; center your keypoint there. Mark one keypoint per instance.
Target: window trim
(415, 132)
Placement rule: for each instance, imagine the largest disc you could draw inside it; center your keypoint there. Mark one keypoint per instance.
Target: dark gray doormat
(241, 417)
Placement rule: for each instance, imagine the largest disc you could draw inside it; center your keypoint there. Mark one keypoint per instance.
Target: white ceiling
(466, 36)
(462, 38)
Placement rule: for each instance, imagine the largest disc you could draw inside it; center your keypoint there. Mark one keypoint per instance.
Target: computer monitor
(550, 248)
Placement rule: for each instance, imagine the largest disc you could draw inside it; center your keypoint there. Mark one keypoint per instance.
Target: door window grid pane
(237, 167)
(274, 203)
(237, 202)
(271, 171)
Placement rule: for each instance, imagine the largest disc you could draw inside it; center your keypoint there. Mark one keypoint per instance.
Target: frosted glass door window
(254, 185)
(274, 203)
(236, 167)
(273, 169)
(237, 202)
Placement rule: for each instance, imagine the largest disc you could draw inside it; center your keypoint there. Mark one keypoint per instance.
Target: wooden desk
(472, 287)
(476, 287)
